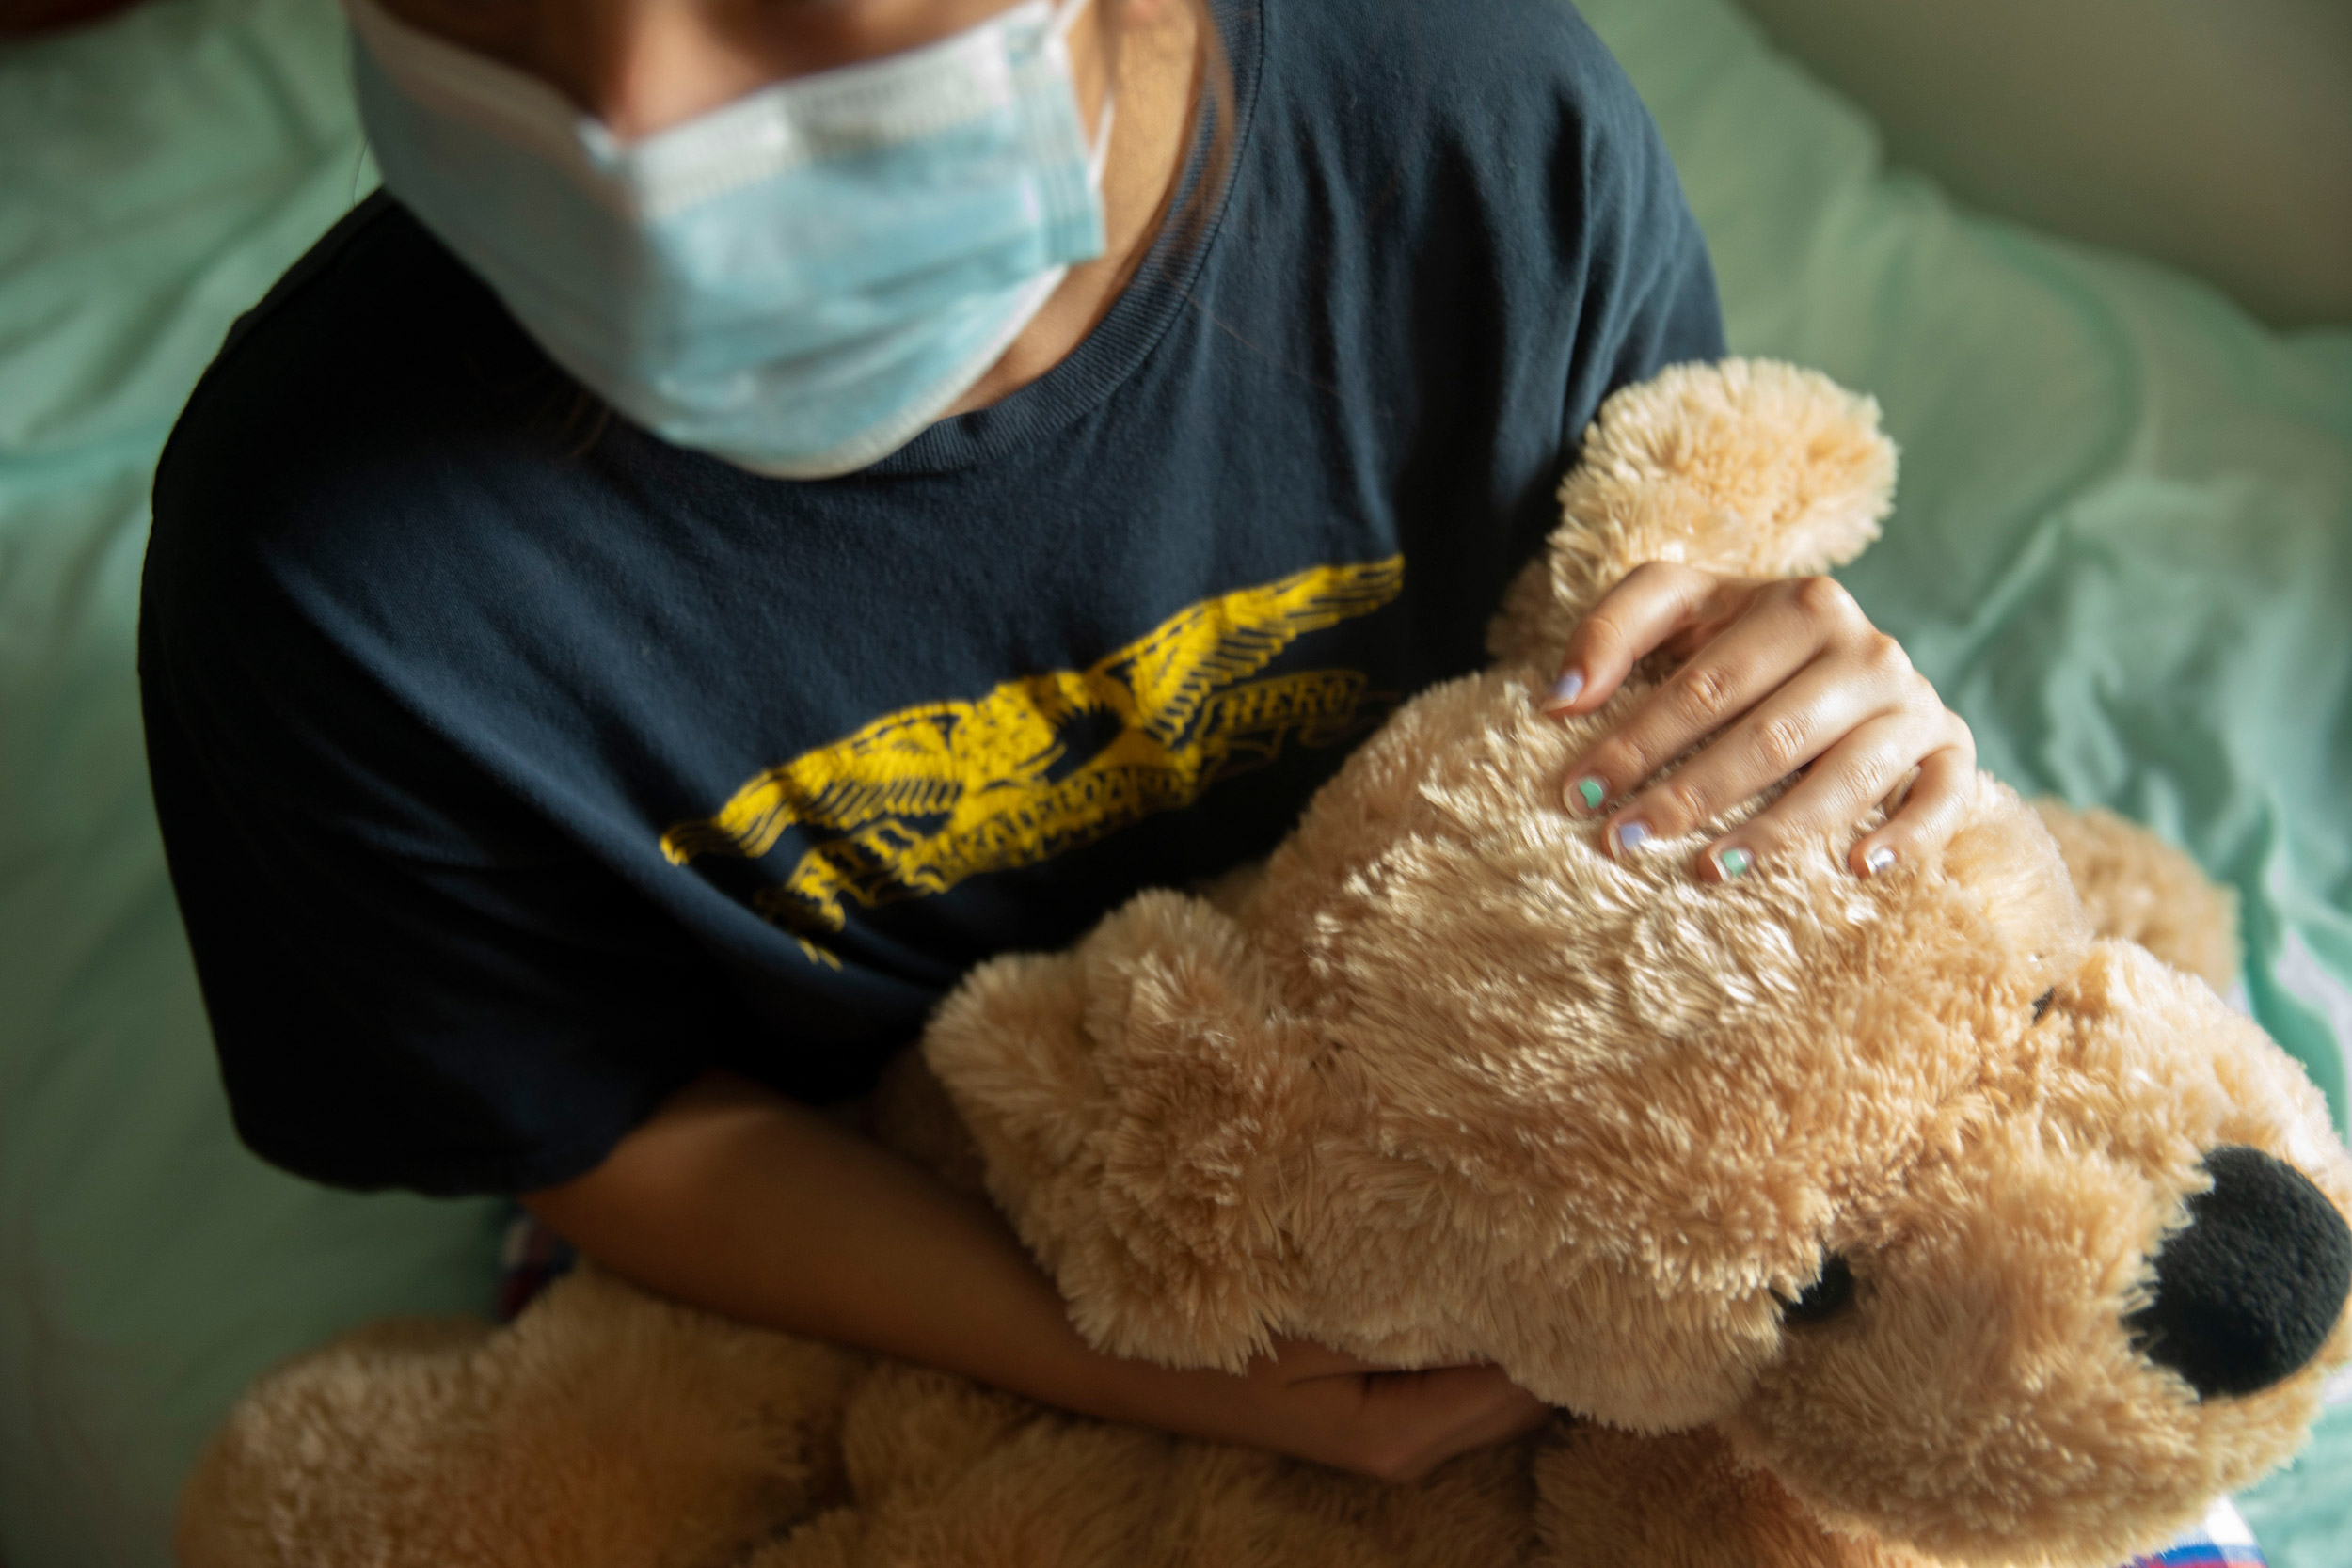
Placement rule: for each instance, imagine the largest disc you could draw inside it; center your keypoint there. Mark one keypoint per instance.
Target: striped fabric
(2221, 1540)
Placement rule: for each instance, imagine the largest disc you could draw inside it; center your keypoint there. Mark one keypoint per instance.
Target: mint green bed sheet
(155, 175)
(2125, 550)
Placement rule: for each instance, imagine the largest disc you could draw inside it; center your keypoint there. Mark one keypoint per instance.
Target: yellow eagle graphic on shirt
(917, 801)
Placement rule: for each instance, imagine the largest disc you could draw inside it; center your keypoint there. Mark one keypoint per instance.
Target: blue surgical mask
(797, 282)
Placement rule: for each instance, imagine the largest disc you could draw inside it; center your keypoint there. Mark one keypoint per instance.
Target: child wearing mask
(779, 500)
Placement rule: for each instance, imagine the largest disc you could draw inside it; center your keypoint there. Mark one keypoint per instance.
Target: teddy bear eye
(1826, 1297)
(2042, 1003)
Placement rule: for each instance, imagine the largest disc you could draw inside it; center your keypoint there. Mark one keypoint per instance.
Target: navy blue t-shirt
(514, 766)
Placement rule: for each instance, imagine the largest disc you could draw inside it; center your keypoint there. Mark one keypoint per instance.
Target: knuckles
(1616, 621)
(1781, 743)
(1622, 760)
(1604, 632)
(1686, 805)
(1704, 695)
(1665, 573)
(1825, 600)
(1885, 658)
(1704, 692)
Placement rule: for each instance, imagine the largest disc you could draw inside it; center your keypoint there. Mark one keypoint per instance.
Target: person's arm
(736, 1199)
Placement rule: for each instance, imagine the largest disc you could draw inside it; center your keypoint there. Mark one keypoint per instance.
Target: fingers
(1928, 816)
(1862, 769)
(1798, 679)
(1419, 1420)
(1655, 603)
(1826, 702)
(1778, 639)
(1394, 1425)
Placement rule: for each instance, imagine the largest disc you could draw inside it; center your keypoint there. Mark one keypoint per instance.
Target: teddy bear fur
(1442, 1081)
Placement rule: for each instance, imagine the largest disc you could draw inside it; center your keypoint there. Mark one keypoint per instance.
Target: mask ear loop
(1099, 155)
(1099, 149)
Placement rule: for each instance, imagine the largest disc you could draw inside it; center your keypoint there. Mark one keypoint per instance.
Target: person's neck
(1160, 65)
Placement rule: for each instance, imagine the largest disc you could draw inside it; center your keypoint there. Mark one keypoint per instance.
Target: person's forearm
(740, 1201)
(737, 1200)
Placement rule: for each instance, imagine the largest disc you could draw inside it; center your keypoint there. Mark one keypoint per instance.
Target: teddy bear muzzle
(2249, 1289)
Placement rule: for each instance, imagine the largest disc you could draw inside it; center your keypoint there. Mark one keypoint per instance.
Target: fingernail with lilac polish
(1631, 835)
(1564, 689)
(1878, 859)
(1733, 863)
(1591, 792)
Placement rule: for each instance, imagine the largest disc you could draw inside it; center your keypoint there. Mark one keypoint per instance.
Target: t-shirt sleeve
(1650, 297)
(413, 980)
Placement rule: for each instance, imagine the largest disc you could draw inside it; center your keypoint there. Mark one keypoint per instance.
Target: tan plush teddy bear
(1858, 1221)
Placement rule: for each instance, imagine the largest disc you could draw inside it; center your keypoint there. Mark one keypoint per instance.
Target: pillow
(2217, 137)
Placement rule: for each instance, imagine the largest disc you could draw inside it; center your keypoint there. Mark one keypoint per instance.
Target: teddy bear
(1910, 1219)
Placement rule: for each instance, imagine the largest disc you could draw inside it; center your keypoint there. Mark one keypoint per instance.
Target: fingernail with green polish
(1591, 792)
(1733, 863)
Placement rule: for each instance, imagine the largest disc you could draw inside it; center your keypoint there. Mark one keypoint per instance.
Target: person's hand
(1312, 1403)
(1795, 677)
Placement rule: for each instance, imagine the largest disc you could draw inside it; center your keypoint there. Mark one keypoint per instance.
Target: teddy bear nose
(2247, 1291)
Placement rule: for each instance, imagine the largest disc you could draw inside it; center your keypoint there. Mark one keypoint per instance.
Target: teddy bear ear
(1136, 1101)
(2005, 864)
(1748, 466)
(2136, 886)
